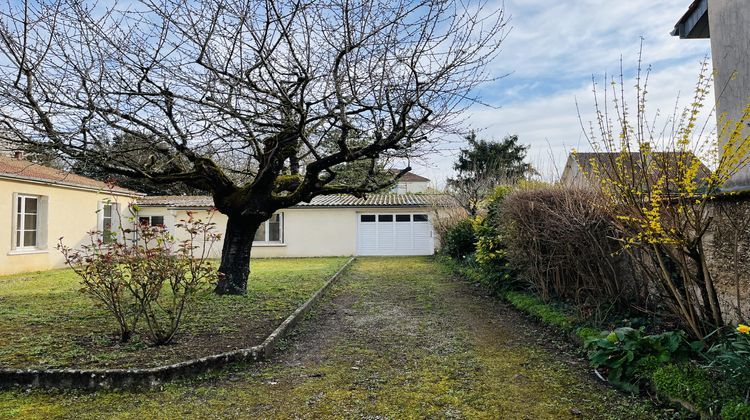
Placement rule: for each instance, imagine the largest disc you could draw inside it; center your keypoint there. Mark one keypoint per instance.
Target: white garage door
(394, 234)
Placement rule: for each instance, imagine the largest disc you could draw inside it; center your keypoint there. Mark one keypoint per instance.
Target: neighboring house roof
(694, 23)
(608, 162)
(23, 170)
(409, 176)
(339, 200)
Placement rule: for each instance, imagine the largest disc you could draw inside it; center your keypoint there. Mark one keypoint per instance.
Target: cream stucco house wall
(381, 224)
(39, 205)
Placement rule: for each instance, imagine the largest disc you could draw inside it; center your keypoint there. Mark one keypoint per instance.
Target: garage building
(336, 225)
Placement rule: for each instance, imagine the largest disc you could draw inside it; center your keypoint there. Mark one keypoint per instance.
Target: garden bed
(46, 323)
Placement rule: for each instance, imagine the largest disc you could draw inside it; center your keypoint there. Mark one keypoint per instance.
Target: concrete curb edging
(94, 379)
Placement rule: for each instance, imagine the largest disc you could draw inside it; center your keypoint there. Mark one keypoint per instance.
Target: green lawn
(394, 338)
(46, 322)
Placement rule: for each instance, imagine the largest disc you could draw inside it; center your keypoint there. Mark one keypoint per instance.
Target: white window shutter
(13, 225)
(116, 221)
(42, 217)
(100, 216)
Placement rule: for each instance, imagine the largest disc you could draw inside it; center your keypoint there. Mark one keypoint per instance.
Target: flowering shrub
(660, 193)
(148, 274)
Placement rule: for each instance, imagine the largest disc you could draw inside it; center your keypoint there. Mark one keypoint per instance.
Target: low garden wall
(125, 378)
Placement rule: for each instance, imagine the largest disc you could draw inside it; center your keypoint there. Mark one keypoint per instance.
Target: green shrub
(459, 240)
(546, 313)
(629, 356)
(687, 383)
(491, 253)
(735, 410)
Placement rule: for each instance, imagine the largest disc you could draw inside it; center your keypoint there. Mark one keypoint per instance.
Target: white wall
(410, 187)
(71, 213)
(308, 232)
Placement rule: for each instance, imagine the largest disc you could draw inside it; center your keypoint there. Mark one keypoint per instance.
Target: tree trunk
(235, 255)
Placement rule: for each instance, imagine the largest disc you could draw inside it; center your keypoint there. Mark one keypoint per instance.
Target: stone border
(94, 379)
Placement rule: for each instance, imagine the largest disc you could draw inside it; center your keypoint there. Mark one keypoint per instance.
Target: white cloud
(553, 50)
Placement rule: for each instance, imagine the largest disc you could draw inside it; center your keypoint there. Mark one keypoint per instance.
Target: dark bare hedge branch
(562, 242)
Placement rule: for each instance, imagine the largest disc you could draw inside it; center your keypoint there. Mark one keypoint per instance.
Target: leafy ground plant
(629, 356)
(732, 356)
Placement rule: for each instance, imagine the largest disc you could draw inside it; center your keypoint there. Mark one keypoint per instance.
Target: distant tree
(238, 98)
(484, 165)
(139, 150)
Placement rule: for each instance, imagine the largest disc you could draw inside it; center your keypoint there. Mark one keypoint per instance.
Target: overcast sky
(553, 50)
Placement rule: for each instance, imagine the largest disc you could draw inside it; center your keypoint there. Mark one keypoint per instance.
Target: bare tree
(470, 193)
(290, 92)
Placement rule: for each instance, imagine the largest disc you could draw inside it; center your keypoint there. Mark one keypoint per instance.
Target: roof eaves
(36, 180)
(694, 23)
(363, 206)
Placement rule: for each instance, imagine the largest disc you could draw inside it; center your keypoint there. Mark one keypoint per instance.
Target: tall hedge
(562, 242)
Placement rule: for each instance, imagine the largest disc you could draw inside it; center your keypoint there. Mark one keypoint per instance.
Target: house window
(420, 218)
(107, 235)
(27, 218)
(151, 220)
(271, 231)
(109, 221)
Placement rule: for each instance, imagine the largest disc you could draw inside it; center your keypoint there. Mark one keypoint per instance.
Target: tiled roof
(177, 201)
(377, 200)
(13, 168)
(664, 160)
(409, 176)
(372, 200)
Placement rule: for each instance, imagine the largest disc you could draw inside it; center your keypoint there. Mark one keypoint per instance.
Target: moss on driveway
(396, 338)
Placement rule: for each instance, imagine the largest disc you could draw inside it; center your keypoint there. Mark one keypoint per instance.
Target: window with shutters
(27, 222)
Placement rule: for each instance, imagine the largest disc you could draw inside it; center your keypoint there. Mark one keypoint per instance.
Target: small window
(385, 218)
(151, 221)
(274, 228)
(367, 218)
(107, 235)
(271, 231)
(26, 221)
(403, 218)
(420, 218)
